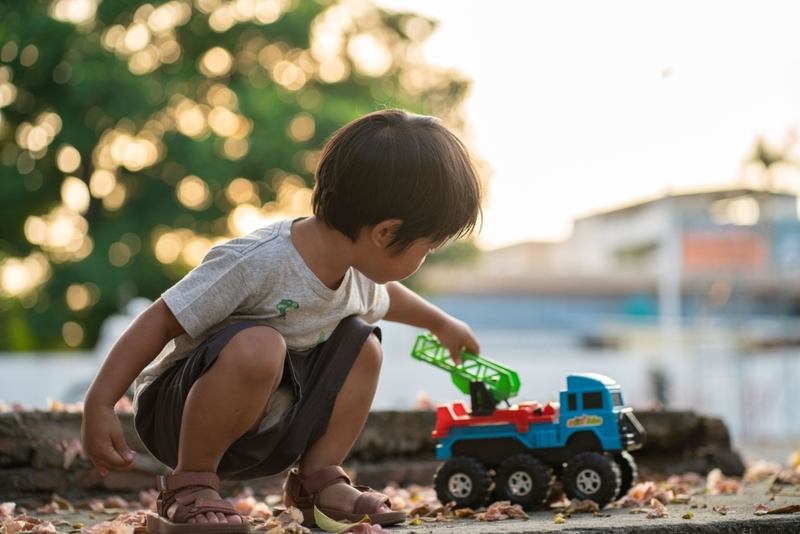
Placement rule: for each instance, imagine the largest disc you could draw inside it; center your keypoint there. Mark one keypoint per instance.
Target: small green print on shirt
(321, 338)
(285, 305)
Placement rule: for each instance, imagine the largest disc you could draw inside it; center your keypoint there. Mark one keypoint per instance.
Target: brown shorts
(316, 375)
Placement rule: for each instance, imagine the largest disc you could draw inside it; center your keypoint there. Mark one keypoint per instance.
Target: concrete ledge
(39, 453)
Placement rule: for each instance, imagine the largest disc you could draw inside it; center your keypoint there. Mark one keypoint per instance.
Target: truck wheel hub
(460, 485)
(520, 483)
(588, 481)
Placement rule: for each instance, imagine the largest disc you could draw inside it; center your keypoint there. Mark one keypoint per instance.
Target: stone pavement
(741, 519)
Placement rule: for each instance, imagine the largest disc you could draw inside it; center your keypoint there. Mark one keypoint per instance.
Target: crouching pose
(267, 352)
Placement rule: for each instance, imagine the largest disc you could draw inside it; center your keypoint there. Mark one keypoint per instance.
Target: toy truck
(515, 452)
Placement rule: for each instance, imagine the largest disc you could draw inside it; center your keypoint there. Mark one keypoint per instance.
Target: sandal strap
(369, 501)
(180, 488)
(188, 478)
(293, 486)
(325, 477)
(202, 506)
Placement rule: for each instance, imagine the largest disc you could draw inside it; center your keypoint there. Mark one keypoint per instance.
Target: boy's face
(386, 266)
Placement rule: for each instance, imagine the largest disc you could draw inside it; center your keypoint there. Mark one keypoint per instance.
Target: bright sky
(579, 107)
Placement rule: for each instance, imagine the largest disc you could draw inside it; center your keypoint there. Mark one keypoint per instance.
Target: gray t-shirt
(262, 277)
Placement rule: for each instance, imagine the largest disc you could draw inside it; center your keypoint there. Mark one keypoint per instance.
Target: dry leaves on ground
(502, 510)
(762, 509)
(657, 509)
(640, 494)
(761, 470)
(287, 522)
(11, 524)
(719, 484)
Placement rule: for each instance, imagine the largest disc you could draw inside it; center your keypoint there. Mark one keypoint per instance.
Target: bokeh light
(74, 11)
(168, 247)
(216, 62)
(193, 193)
(370, 54)
(102, 183)
(242, 190)
(75, 194)
(21, 276)
(82, 296)
(72, 333)
(301, 127)
(68, 159)
(116, 198)
(235, 148)
(119, 254)
(62, 234)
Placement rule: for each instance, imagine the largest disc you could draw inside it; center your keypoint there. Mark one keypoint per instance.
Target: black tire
(524, 480)
(628, 472)
(591, 475)
(462, 480)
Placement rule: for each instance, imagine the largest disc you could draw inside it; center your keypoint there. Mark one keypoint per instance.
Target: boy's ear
(383, 233)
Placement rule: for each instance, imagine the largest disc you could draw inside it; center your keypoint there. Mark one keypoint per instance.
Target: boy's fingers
(125, 453)
(455, 355)
(102, 470)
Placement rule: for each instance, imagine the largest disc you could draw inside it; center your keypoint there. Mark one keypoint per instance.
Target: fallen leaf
(582, 507)
(464, 513)
(761, 470)
(791, 509)
(721, 509)
(367, 528)
(45, 527)
(718, 484)
(642, 493)
(72, 449)
(761, 509)
(500, 510)
(687, 515)
(329, 525)
(559, 519)
(7, 510)
(657, 509)
(287, 522)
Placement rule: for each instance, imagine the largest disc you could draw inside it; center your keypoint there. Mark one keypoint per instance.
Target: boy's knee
(371, 355)
(258, 353)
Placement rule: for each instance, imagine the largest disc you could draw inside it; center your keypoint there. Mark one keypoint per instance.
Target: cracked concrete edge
(761, 525)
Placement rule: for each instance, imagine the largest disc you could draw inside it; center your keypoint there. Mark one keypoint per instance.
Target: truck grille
(631, 431)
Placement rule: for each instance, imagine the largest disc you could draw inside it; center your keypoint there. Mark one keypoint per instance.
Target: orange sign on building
(724, 248)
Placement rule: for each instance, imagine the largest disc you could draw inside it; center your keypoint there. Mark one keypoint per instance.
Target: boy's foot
(331, 491)
(209, 517)
(190, 503)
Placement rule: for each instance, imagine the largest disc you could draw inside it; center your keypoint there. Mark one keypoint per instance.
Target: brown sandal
(303, 492)
(180, 488)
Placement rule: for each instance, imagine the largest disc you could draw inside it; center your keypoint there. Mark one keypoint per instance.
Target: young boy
(266, 351)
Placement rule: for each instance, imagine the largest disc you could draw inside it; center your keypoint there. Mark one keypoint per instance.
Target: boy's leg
(229, 400)
(350, 412)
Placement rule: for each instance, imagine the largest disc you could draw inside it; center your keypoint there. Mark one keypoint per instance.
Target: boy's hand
(103, 440)
(456, 336)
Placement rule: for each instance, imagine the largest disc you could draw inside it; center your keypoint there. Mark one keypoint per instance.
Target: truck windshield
(617, 398)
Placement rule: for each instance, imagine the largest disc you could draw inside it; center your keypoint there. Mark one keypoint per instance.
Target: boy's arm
(407, 307)
(141, 342)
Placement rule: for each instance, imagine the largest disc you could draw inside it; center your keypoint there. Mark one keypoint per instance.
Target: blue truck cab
(594, 402)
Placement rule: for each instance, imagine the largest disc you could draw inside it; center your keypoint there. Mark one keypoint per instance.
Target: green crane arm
(502, 382)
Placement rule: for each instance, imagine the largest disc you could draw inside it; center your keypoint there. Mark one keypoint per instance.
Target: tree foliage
(135, 135)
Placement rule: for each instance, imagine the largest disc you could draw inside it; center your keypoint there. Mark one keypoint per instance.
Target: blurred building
(734, 241)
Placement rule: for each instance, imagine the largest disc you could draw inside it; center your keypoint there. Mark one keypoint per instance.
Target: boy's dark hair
(392, 164)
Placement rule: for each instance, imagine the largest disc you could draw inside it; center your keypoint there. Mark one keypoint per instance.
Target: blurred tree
(135, 135)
